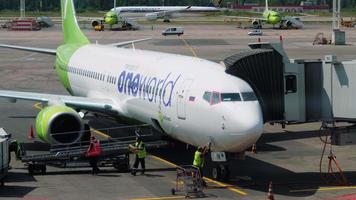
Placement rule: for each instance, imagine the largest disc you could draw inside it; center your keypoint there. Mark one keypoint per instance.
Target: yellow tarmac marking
(164, 161)
(38, 106)
(100, 133)
(325, 189)
(160, 198)
(229, 187)
(188, 46)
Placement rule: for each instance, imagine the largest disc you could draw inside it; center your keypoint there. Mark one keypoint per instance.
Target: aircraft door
(182, 96)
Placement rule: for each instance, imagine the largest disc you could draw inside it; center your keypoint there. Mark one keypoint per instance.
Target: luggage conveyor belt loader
(114, 152)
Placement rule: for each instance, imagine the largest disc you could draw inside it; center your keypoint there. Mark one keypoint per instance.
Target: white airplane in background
(166, 13)
(190, 99)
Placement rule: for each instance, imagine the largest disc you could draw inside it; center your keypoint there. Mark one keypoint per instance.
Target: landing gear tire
(221, 172)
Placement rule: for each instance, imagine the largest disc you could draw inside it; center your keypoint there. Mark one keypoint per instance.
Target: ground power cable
(339, 177)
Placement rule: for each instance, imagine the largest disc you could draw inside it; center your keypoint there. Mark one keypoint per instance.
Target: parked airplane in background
(190, 99)
(274, 18)
(116, 14)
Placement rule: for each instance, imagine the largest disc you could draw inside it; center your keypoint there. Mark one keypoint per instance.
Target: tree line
(82, 5)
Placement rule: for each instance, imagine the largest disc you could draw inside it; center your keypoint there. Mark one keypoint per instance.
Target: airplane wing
(53, 51)
(87, 103)
(38, 50)
(120, 44)
(242, 17)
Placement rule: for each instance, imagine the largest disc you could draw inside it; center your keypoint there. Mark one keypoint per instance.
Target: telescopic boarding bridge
(297, 90)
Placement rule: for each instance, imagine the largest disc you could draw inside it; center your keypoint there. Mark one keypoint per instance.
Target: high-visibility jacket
(141, 149)
(198, 160)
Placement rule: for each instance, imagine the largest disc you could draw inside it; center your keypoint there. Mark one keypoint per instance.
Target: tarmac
(288, 157)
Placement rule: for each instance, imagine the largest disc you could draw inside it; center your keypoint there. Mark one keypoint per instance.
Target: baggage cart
(188, 181)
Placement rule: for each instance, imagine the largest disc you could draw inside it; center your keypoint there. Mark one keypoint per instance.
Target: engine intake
(59, 125)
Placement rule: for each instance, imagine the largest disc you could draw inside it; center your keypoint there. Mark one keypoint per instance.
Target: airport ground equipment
(188, 181)
(320, 39)
(114, 153)
(29, 24)
(44, 21)
(4, 155)
(348, 23)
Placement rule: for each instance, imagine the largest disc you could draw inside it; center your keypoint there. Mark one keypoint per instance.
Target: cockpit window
(249, 96)
(216, 98)
(207, 96)
(230, 97)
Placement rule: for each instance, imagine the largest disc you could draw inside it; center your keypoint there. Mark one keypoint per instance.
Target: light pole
(22, 9)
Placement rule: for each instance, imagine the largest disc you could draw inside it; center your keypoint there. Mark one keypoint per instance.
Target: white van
(173, 31)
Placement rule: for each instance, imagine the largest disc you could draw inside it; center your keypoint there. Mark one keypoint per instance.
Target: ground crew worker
(199, 158)
(139, 149)
(93, 154)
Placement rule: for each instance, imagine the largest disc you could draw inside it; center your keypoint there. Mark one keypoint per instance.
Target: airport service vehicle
(173, 31)
(255, 32)
(187, 98)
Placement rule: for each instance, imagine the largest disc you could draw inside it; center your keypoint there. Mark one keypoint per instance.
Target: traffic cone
(270, 192)
(281, 39)
(254, 150)
(30, 133)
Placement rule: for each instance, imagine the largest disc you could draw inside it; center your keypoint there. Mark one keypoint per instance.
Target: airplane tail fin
(71, 31)
(215, 3)
(266, 5)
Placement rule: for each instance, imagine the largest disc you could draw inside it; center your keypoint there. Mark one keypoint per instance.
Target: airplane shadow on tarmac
(17, 191)
(255, 174)
(252, 173)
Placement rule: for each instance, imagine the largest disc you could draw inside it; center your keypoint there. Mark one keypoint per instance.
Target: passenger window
(291, 84)
(216, 98)
(207, 96)
(173, 29)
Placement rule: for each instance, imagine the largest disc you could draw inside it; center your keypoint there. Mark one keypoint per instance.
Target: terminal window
(291, 84)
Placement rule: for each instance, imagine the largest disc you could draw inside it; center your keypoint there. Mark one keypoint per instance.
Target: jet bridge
(297, 90)
(263, 70)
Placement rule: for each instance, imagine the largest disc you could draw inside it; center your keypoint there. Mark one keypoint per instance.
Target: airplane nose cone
(243, 128)
(275, 19)
(109, 20)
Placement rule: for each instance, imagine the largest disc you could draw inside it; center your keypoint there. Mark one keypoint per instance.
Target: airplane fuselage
(190, 99)
(146, 9)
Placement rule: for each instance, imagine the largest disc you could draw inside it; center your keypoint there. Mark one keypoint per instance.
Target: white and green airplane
(190, 99)
(273, 18)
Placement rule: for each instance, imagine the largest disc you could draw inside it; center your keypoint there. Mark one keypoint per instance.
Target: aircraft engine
(59, 125)
(151, 16)
(288, 24)
(95, 22)
(256, 24)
